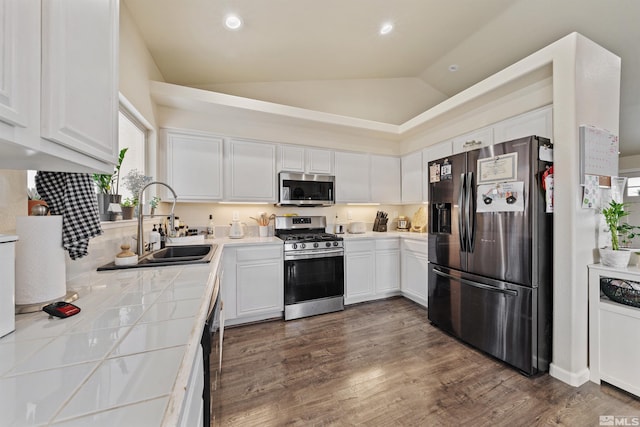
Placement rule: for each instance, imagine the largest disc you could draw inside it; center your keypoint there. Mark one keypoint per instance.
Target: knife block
(380, 224)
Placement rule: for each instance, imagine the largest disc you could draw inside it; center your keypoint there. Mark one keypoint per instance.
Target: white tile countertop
(124, 360)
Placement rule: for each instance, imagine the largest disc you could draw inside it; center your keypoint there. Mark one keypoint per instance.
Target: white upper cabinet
(353, 181)
(298, 159)
(19, 61)
(251, 171)
(385, 179)
(194, 165)
(412, 177)
(291, 159)
(59, 85)
(537, 122)
(319, 161)
(472, 140)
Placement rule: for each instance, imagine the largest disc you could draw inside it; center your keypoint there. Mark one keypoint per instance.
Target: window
(633, 186)
(131, 135)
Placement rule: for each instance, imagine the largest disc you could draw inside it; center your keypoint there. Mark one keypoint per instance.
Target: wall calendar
(598, 152)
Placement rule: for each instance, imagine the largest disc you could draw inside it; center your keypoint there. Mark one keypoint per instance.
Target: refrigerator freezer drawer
(496, 317)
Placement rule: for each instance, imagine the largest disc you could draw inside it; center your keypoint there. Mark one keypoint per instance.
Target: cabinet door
(387, 266)
(291, 159)
(194, 165)
(538, 122)
(385, 179)
(252, 171)
(473, 140)
(259, 277)
(414, 274)
(319, 161)
(411, 165)
(359, 271)
(80, 76)
(352, 177)
(19, 61)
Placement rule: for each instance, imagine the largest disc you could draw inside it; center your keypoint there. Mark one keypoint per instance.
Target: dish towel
(72, 195)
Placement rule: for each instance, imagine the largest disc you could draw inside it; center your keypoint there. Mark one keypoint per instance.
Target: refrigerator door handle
(461, 211)
(470, 207)
(476, 284)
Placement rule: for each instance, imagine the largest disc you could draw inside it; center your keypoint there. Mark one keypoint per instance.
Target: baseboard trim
(574, 379)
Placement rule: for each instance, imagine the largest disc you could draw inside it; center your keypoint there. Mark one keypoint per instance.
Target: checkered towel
(72, 195)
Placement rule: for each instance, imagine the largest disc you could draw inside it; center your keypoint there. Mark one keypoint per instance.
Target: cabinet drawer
(258, 254)
(359, 246)
(387, 244)
(416, 246)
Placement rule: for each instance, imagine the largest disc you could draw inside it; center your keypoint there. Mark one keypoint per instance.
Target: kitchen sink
(171, 255)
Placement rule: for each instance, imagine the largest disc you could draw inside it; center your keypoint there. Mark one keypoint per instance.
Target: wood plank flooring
(383, 364)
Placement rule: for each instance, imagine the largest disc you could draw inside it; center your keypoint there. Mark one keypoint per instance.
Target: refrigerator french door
(490, 251)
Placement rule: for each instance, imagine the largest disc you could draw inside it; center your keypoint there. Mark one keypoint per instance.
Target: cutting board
(419, 221)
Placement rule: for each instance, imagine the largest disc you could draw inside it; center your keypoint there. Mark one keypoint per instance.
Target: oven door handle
(313, 254)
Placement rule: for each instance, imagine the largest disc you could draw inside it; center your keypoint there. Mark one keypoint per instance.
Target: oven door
(311, 277)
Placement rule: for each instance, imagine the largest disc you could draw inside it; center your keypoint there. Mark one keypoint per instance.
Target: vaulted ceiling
(285, 47)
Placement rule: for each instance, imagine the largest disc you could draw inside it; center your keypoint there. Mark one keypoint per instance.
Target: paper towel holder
(32, 308)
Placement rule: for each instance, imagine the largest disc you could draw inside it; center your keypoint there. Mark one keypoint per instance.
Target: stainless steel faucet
(140, 240)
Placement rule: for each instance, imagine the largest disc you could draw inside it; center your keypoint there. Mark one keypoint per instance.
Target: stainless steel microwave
(296, 189)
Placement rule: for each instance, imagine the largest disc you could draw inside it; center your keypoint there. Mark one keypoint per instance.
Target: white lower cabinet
(194, 403)
(252, 285)
(414, 270)
(614, 332)
(359, 270)
(387, 267)
(372, 269)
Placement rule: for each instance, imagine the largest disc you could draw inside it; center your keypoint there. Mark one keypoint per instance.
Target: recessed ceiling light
(233, 22)
(453, 68)
(386, 28)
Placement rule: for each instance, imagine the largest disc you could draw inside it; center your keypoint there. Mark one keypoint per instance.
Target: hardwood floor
(383, 364)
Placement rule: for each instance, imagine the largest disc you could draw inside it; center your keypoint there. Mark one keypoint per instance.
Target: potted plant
(135, 181)
(128, 207)
(620, 232)
(107, 185)
(153, 203)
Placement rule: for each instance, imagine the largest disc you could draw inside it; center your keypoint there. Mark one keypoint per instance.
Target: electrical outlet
(395, 214)
(349, 215)
(236, 216)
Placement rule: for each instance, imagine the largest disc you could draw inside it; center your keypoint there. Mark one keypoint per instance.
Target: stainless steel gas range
(313, 266)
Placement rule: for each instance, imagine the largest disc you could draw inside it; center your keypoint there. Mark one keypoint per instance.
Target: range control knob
(335, 243)
(295, 246)
(328, 244)
(315, 245)
(302, 245)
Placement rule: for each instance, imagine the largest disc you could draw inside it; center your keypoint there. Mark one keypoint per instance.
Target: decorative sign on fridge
(500, 197)
(498, 169)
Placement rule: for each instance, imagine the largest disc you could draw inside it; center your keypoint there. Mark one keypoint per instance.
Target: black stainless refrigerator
(490, 251)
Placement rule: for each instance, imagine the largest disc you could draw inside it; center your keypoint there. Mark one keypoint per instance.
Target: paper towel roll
(40, 260)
